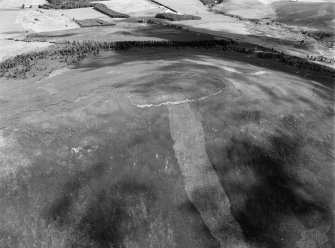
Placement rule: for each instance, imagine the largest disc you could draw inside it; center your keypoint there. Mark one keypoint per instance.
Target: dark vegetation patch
(211, 2)
(74, 4)
(67, 4)
(72, 52)
(28, 65)
(276, 196)
(112, 212)
(274, 183)
(176, 17)
(93, 23)
(107, 11)
(326, 37)
(241, 18)
(109, 201)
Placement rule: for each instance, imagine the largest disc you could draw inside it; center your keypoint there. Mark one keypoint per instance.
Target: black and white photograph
(167, 123)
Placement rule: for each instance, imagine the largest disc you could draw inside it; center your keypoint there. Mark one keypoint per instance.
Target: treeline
(295, 61)
(176, 17)
(72, 52)
(220, 12)
(107, 11)
(18, 66)
(66, 4)
(321, 58)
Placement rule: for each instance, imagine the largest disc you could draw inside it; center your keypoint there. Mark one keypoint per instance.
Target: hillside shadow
(263, 181)
(174, 55)
(102, 221)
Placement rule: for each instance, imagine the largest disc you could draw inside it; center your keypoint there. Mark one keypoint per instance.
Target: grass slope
(84, 168)
(318, 15)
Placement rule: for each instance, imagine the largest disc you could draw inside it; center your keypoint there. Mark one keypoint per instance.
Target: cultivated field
(17, 22)
(10, 48)
(122, 31)
(85, 13)
(247, 8)
(311, 14)
(37, 20)
(134, 7)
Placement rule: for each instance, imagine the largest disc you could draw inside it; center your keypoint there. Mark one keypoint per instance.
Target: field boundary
(167, 7)
(95, 23)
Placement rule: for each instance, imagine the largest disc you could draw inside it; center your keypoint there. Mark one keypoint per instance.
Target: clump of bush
(211, 2)
(177, 17)
(107, 11)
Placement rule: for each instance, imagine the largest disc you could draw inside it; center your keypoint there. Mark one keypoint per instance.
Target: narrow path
(201, 182)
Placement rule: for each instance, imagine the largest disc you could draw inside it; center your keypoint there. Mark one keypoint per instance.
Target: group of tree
(321, 58)
(107, 11)
(67, 4)
(176, 17)
(296, 62)
(235, 16)
(211, 2)
(72, 52)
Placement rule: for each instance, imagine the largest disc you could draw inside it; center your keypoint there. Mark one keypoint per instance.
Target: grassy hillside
(246, 8)
(318, 15)
(84, 165)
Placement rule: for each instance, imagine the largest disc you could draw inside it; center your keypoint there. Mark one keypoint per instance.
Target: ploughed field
(167, 148)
